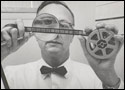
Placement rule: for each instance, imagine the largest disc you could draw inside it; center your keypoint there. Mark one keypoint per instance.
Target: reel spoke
(95, 36)
(104, 34)
(93, 41)
(109, 37)
(104, 52)
(96, 49)
(111, 46)
(101, 33)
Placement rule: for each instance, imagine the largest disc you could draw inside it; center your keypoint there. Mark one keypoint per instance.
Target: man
(43, 74)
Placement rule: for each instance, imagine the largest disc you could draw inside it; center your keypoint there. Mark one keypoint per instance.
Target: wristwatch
(112, 87)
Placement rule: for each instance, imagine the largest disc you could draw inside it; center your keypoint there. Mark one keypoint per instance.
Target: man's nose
(58, 37)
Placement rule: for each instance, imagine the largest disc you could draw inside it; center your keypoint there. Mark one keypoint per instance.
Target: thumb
(83, 44)
(120, 40)
(26, 37)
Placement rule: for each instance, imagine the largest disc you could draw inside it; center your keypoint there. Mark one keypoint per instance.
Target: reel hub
(101, 44)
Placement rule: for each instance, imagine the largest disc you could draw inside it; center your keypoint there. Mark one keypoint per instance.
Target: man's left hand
(104, 69)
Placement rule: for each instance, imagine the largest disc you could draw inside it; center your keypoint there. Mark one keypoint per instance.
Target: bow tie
(60, 71)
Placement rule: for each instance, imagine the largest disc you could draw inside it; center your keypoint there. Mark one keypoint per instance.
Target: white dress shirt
(28, 76)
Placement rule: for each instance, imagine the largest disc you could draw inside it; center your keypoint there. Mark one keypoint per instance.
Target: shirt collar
(66, 64)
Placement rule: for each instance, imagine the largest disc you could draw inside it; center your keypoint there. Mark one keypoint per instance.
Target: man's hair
(45, 3)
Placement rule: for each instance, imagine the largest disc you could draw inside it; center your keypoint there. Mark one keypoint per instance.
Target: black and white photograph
(62, 44)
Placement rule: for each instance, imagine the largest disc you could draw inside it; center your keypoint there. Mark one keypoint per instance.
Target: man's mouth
(54, 42)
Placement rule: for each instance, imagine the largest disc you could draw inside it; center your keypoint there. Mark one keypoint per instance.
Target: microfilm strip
(47, 30)
(50, 30)
(54, 30)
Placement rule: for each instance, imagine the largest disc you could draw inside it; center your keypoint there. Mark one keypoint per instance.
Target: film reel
(101, 44)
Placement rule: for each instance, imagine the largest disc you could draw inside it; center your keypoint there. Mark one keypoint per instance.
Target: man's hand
(11, 35)
(104, 69)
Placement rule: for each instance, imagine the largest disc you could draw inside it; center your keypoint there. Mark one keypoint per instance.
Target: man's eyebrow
(65, 21)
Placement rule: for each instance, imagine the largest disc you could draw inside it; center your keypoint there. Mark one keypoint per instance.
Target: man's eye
(38, 22)
(48, 22)
(64, 26)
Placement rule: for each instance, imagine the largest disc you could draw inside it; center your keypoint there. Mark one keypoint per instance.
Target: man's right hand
(10, 35)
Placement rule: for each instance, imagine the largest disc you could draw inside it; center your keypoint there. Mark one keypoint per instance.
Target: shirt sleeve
(99, 85)
(2, 86)
(9, 76)
(121, 85)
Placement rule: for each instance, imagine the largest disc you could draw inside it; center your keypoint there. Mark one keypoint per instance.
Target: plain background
(86, 13)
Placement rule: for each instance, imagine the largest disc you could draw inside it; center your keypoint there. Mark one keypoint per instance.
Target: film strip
(47, 30)
(54, 30)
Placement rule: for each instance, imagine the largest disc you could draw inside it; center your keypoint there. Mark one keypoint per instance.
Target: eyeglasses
(49, 21)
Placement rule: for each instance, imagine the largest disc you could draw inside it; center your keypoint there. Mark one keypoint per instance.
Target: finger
(20, 26)
(88, 30)
(12, 25)
(83, 44)
(14, 34)
(6, 37)
(112, 28)
(100, 25)
(2, 39)
(25, 39)
(120, 40)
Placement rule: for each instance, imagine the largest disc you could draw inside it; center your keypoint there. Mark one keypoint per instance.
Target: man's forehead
(59, 11)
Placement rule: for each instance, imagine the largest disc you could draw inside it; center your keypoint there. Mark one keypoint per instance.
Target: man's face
(62, 42)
